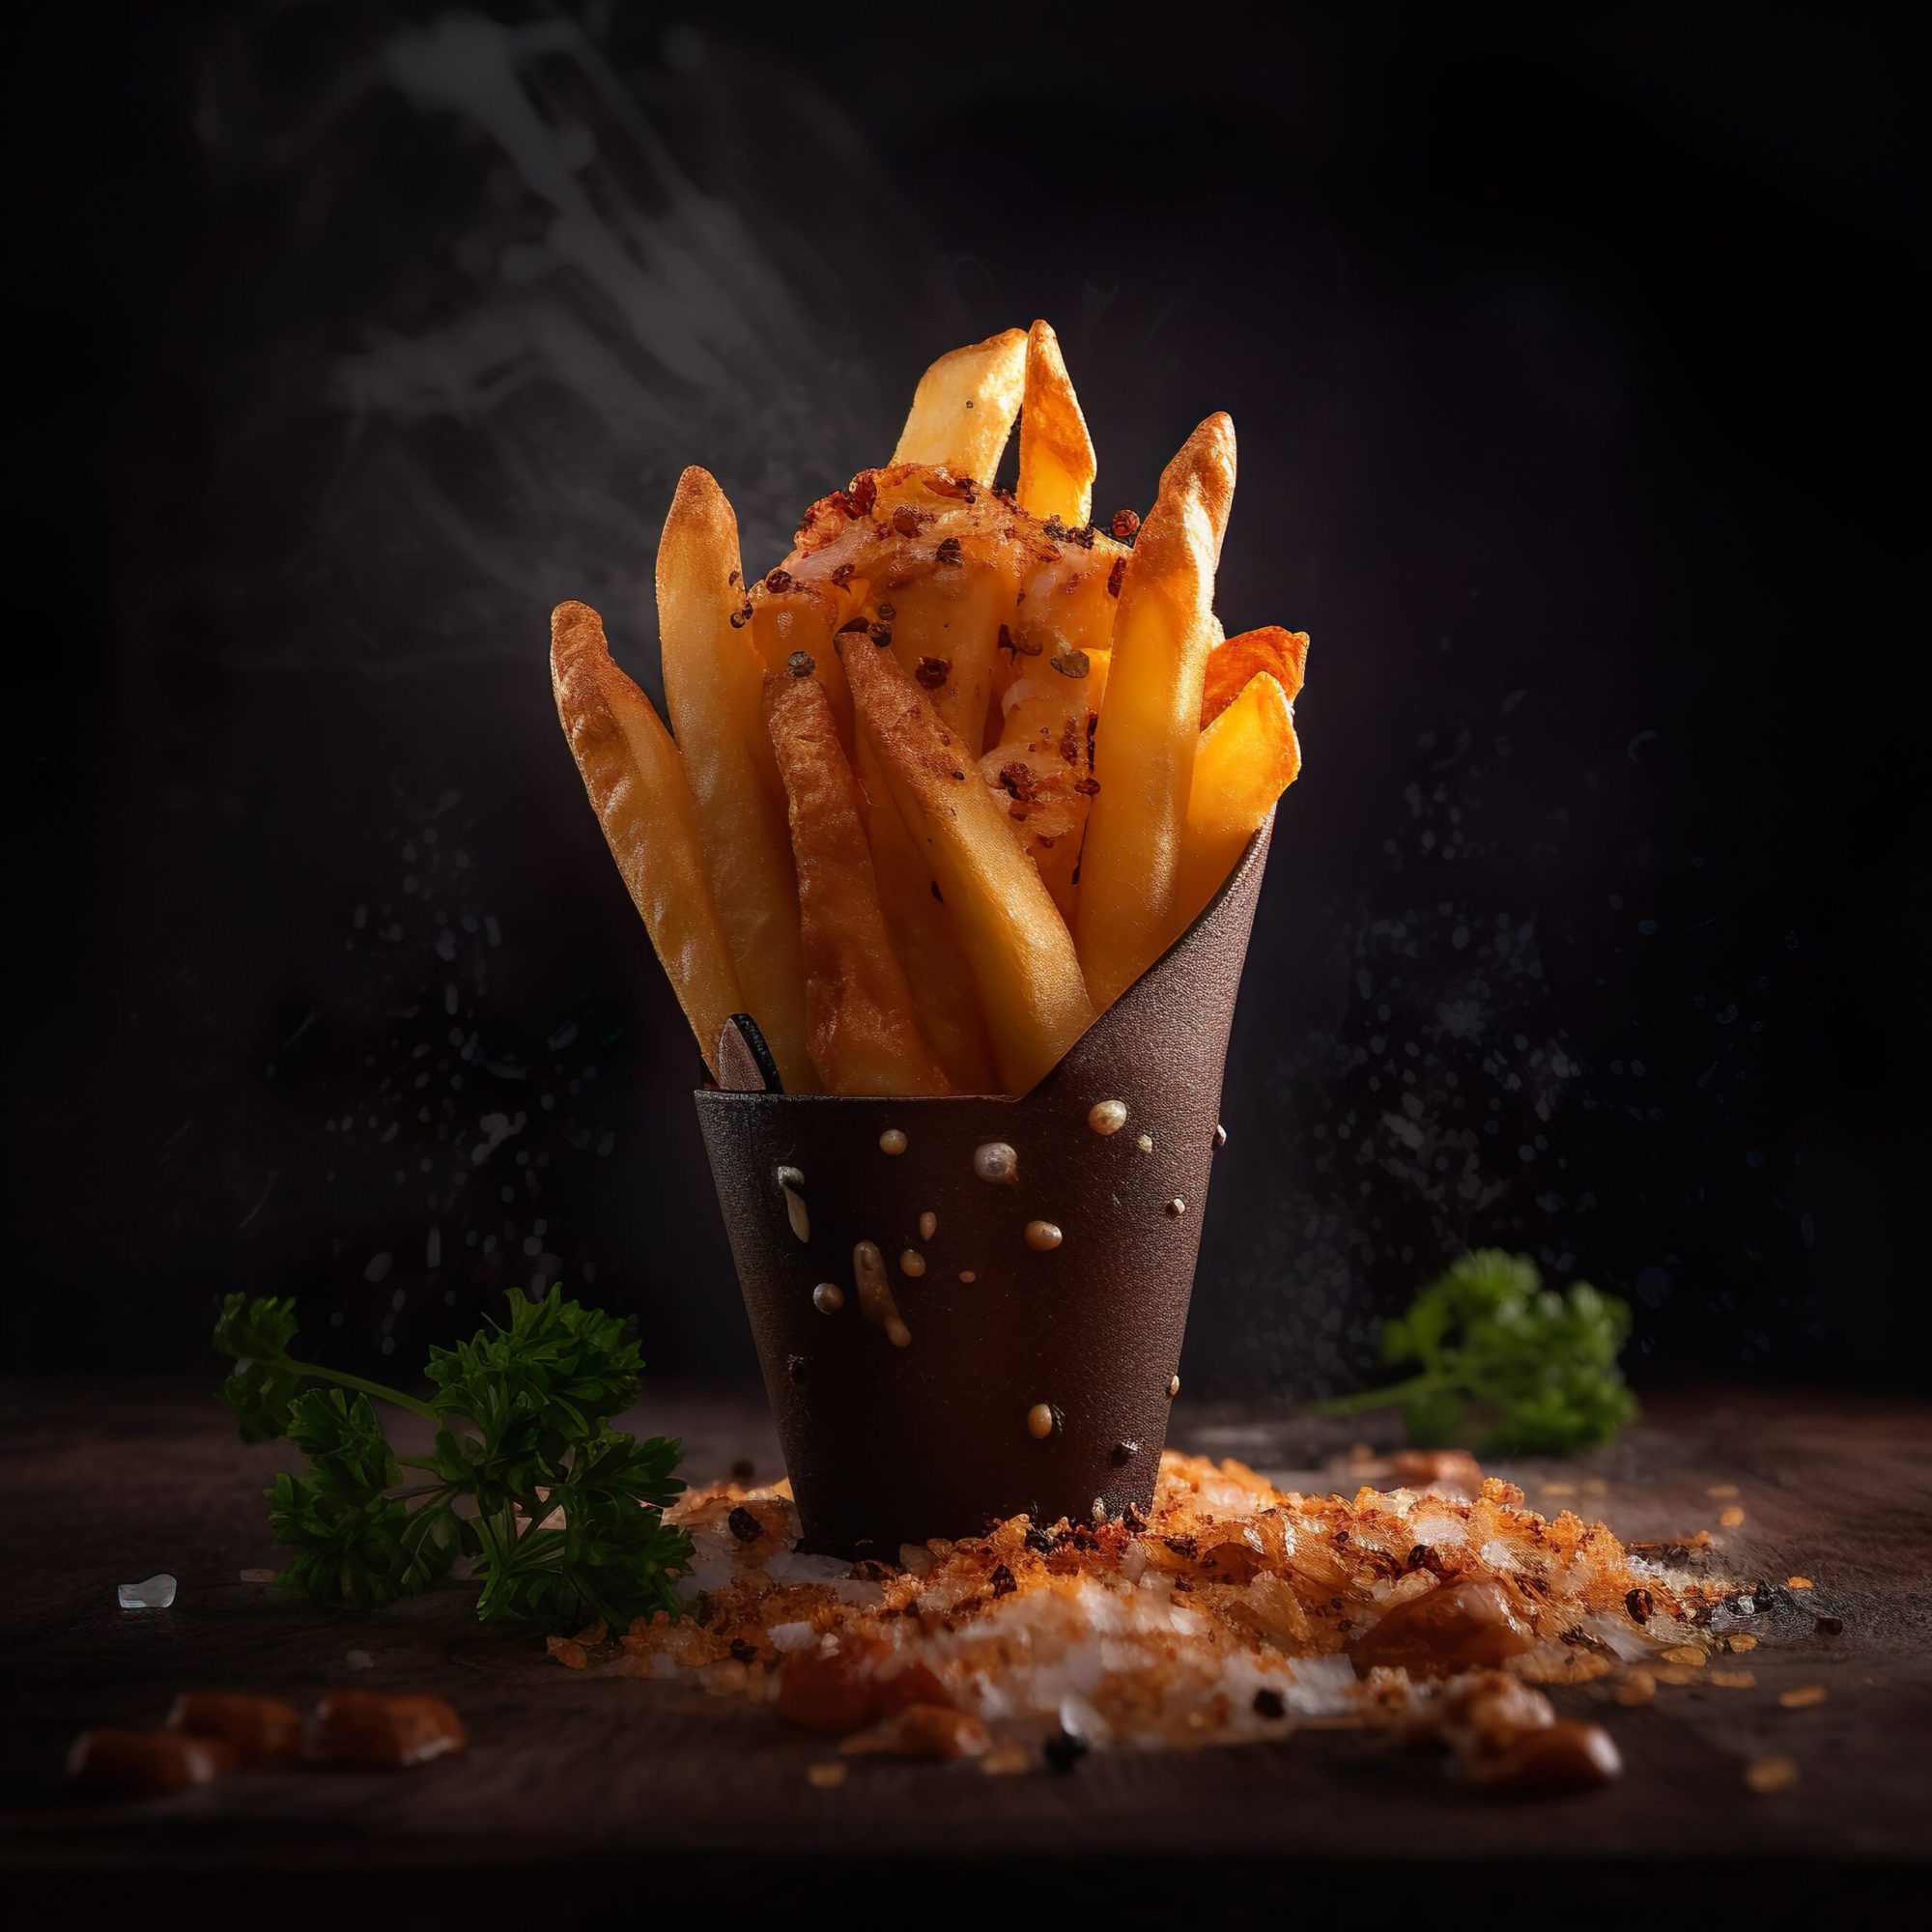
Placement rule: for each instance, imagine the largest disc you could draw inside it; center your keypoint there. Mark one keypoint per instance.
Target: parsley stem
(1391, 1396)
(343, 1379)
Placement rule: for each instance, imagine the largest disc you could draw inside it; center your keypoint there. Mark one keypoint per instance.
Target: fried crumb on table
(1231, 1613)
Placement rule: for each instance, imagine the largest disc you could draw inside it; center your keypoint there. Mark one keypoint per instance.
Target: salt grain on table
(154, 1593)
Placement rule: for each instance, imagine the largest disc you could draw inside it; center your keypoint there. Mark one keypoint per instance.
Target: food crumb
(828, 1773)
(1686, 1654)
(1801, 1696)
(1733, 1680)
(1771, 1774)
(1721, 1491)
(1798, 1582)
(1731, 1517)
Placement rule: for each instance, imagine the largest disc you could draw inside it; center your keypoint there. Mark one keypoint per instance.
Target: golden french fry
(864, 1035)
(713, 685)
(943, 992)
(636, 786)
(964, 410)
(1013, 934)
(1282, 654)
(1248, 757)
(1145, 747)
(1041, 770)
(1057, 466)
(945, 629)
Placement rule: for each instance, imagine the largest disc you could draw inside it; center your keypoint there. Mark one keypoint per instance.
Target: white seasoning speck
(1107, 1117)
(1145, 1143)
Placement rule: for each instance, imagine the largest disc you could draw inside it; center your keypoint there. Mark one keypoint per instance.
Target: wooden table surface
(580, 1794)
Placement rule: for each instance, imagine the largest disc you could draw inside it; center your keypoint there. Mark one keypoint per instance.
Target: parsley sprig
(1536, 1370)
(521, 1415)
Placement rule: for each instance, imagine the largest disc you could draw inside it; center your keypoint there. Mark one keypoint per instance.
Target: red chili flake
(933, 673)
(1001, 495)
(744, 1525)
(1002, 1581)
(1069, 746)
(778, 581)
(1640, 1602)
(1116, 577)
(800, 663)
(948, 552)
(842, 575)
(1087, 787)
(1017, 779)
(861, 494)
(887, 613)
(879, 634)
(740, 617)
(1126, 524)
(905, 521)
(743, 1650)
(1071, 664)
(731, 578)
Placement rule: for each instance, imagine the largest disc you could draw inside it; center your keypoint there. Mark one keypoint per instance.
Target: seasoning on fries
(950, 777)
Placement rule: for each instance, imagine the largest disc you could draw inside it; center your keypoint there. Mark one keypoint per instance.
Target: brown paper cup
(888, 1444)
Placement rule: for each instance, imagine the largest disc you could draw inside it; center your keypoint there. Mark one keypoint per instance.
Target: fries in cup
(952, 775)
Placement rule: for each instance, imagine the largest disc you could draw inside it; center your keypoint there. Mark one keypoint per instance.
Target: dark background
(1575, 358)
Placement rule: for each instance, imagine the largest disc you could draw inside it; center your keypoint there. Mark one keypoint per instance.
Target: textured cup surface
(888, 1444)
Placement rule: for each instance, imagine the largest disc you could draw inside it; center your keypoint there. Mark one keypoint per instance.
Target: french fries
(1282, 654)
(1144, 752)
(1011, 933)
(1248, 757)
(958, 770)
(1057, 466)
(1042, 767)
(712, 683)
(963, 410)
(864, 1035)
(636, 780)
(943, 992)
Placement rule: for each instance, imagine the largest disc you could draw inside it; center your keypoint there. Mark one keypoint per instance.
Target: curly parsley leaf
(564, 1517)
(1496, 1355)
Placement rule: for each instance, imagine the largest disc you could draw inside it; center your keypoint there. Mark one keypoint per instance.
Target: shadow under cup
(888, 1444)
